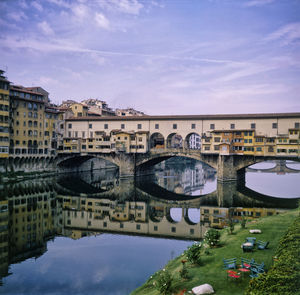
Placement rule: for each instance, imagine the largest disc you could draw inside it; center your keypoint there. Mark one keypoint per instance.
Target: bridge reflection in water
(34, 211)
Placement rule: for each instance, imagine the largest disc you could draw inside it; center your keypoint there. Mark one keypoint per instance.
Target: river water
(92, 233)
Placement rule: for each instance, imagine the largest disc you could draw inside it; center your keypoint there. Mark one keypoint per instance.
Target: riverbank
(211, 269)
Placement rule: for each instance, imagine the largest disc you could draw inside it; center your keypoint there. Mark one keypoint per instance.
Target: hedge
(284, 276)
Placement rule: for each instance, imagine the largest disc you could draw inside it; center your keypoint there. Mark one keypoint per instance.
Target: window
(122, 126)
(216, 148)
(139, 126)
(155, 228)
(156, 126)
(253, 125)
(212, 126)
(138, 226)
(83, 134)
(274, 125)
(297, 125)
(259, 139)
(217, 139)
(192, 231)
(173, 229)
(90, 125)
(69, 125)
(258, 149)
(174, 126)
(105, 126)
(193, 126)
(232, 126)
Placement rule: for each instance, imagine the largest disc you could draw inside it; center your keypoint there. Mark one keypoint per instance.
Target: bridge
(280, 168)
(228, 143)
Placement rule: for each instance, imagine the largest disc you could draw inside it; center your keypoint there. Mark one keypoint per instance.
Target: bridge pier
(126, 165)
(226, 170)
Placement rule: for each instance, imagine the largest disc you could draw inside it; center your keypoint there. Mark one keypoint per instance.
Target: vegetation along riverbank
(281, 260)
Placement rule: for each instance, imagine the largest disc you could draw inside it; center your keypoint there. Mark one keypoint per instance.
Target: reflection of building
(191, 177)
(34, 217)
(218, 217)
(92, 214)
(4, 258)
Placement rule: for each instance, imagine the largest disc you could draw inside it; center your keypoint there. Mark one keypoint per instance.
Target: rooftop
(191, 117)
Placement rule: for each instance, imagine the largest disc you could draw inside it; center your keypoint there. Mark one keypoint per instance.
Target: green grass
(211, 271)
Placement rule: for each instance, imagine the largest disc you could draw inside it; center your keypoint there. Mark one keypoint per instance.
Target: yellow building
(27, 126)
(248, 142)
(4, 116)
(79, 109)
(50, 133)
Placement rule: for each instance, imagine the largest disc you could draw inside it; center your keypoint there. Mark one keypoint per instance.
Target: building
(98, 107)
(28, 121)
(263, 137)
(128, 112)
(4, 116)
(79, 109)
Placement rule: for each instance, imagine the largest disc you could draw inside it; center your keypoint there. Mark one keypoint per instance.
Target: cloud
(17, 16)
(23, 4)
(258, 3)
(288, 34)
(123, 6)
(60, 3)
(45, 28)
(101, 20)
(80, 11)
(60, 45)
(37, 6)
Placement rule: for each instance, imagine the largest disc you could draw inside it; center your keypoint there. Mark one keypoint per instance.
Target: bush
(284, 276)
(231, 226)
(193, 253)
(212, 237)
(164, 282)
(243, 222)
(184, 274)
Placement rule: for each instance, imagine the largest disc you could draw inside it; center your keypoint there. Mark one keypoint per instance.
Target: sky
(162, 57)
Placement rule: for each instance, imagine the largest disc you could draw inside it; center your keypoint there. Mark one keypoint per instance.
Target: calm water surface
(91, 233)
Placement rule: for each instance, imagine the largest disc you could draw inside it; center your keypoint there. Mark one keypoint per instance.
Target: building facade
(4, 116)
(257, 134)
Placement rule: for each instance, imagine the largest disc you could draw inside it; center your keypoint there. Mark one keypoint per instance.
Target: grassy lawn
(211, 271)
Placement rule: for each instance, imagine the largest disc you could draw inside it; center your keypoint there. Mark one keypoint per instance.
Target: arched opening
(174, 141)
(157, 141)
(193, 215)
(272, 178)
(193, 141)
(176, 214)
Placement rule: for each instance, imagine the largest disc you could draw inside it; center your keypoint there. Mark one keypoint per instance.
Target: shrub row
(284, 276)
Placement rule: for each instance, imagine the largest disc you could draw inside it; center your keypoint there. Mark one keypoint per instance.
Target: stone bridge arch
(151, 159)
